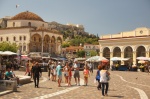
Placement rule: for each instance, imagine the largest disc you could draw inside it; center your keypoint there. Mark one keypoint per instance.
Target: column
(134, 57)
(42, 44)
(111, 55)
(122, 56)
(101, 54)
(147, 53)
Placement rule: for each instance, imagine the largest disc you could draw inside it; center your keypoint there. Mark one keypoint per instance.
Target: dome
(27, 16)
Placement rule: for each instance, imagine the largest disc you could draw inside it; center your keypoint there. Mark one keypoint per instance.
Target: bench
(8, 85)
(24, 79)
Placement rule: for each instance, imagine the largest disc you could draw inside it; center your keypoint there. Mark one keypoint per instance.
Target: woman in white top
(104, 80)
(66, 72)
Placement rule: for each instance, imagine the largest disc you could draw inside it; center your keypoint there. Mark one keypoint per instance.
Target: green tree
(93, 53)
(5, 46)
(81, 53)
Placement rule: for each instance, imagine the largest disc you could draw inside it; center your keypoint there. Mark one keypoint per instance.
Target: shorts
(76, 75)
(59, 76)
(66, 74)
(86, 76)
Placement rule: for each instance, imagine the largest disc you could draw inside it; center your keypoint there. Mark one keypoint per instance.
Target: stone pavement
(123, 84)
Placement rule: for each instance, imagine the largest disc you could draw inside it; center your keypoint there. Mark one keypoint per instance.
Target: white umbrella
(96, 59)
(142, 58)
(8, 53)
(115, 59)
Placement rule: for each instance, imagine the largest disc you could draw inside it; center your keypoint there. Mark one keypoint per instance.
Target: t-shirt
(103, 77)
(75, 66)
(58, 69)
(8, 74)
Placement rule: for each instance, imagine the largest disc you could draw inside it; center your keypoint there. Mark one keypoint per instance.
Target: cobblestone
(120, 86)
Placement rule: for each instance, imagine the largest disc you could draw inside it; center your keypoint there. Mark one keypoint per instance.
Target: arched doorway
(59, 42)
(35, 44)
(117, 52)
(140, 51)
(106, 52)
(128, 53)
(53, 46)
(46, 44)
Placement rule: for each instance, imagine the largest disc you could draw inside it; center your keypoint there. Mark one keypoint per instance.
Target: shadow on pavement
(116, 96)
(45, 87)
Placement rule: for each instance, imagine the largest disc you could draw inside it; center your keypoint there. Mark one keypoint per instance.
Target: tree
(93, 53)
(81, 53)
(5, 46)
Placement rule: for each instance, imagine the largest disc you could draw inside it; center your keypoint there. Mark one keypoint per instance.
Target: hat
(59, 62)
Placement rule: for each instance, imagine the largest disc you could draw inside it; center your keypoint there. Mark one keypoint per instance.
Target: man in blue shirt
(59, 73)
(8, 74)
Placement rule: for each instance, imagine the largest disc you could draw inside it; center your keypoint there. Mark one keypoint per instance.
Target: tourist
(27, 68)
(37, 72)
(104, 80)
(49, 69)
(14, 77)
(54, 73)
(59, 74)
(66, 72)
(98, 77)
(86, 74)
(76, 73)
(69, 76)
(8, 74)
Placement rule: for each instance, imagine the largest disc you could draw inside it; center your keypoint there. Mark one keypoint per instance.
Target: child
(86, 74)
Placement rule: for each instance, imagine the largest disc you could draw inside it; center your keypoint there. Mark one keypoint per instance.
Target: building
(70, 52)
(130, 44)
(91, 47)
(30, 32)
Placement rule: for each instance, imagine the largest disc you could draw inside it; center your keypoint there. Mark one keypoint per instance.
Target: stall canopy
(7, 53)
(119, 59)
(142, 58)
(97, 59)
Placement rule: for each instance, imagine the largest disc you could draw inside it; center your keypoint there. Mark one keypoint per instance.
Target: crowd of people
(68, 70)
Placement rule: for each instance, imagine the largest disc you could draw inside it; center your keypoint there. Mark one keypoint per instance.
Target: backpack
(98, 75)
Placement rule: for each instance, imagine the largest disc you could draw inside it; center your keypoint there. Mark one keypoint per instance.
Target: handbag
(108, 77)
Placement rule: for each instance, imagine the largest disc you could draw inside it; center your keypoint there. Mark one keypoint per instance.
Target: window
(1, 39)
(13, 24)
(7, 39)
(34, 38)
(14, 38)
(29, 24)
(24, 37)
(20, 38)
(24, 48)
(43, 25)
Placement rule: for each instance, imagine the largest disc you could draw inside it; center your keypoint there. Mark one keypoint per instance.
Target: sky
(100, 17)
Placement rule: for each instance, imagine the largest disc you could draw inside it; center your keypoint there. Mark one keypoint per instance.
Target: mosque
(31, 33)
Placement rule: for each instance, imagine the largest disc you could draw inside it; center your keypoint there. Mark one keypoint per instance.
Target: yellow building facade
(130, 44)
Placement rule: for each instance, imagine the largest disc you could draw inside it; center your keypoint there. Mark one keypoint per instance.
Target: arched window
(29, 24)
(13, 24)
(14, 38)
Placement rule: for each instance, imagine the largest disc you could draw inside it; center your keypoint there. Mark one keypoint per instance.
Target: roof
(27, 16)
